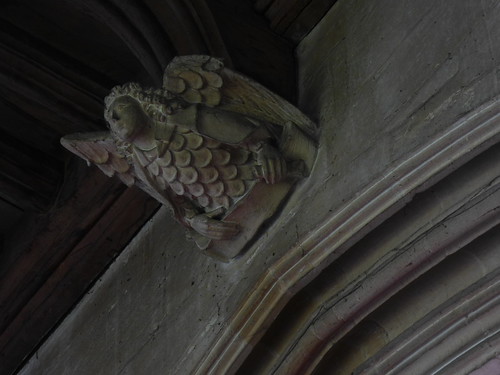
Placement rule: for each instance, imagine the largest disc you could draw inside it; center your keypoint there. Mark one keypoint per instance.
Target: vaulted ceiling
(63, 223)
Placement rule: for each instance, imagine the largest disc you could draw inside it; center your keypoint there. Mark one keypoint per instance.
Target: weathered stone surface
(383, 80)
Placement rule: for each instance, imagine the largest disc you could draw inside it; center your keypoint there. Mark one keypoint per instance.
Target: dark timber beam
(71, 247)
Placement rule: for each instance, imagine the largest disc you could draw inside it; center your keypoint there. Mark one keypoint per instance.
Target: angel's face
(128, 119)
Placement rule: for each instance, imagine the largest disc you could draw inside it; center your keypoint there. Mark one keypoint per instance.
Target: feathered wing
(195, 78)
(200, 79)
(100, 148)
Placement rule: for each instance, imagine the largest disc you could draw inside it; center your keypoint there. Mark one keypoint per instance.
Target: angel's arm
(201, 222)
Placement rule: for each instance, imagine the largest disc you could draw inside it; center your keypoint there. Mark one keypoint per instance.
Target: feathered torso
(210, 174)
(217, 147)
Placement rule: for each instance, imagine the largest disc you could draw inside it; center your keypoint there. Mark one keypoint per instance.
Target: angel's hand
(272, 165)
(213, 228)
(173, 106)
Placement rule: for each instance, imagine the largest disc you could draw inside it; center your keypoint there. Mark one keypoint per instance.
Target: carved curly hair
(153, 101)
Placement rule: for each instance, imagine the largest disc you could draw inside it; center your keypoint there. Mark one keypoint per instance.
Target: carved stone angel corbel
(218, 148)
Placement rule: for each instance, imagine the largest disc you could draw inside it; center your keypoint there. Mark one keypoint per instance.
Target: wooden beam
(47, 84)
(17, 124)
(254, 48)
(59, 63)
(72, 248)
(55, 234)
(307, 19)
(29, 178)
(293, 19)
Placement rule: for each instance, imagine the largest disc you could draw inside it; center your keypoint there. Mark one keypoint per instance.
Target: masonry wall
(382, 79)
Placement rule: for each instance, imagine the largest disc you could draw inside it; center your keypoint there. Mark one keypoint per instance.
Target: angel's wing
(204, 79)
(100, 149)
(195, 78)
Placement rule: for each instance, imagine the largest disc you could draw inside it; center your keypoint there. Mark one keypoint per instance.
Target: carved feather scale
(202, 79)
(212, 144)
(208, 173)
(100, 148)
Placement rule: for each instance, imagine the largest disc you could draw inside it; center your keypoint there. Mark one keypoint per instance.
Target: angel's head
(127, 119)
(131, 111)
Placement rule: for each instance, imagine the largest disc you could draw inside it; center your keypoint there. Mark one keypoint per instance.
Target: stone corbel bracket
(220, 149)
